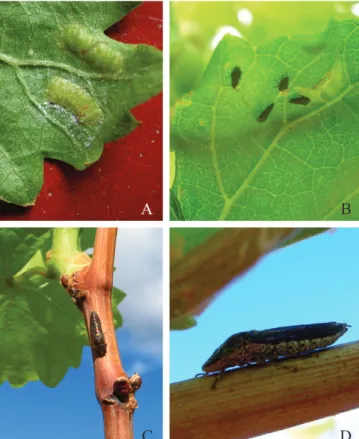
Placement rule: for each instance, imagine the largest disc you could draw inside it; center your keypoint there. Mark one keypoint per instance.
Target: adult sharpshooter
(97, 335)
(261, 346)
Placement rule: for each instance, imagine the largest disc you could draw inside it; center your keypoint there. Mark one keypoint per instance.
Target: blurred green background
(197, 27)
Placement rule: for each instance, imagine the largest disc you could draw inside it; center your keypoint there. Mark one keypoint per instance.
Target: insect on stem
(97, 335)
(259, 347)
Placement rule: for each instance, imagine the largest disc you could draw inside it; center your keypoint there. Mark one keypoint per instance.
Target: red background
(129, 173)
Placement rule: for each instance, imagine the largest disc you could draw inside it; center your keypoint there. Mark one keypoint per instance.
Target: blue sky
(312, 281)
(71, 409)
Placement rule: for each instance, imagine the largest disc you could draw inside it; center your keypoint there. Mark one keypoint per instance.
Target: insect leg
(216, 379)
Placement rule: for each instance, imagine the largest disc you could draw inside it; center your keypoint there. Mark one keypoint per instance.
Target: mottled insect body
(260, 346)
(97, 335)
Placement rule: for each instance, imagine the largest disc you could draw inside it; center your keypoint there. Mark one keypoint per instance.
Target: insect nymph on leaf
(74, 99)
(93, 48)
(235, 76)
(265, 113)
(300, 100)
(283, 84)
(259, 347)
(97, 335)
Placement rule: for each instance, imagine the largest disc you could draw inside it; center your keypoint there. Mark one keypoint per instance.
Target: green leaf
(117, 297)
(18, 246)
(43, 333)
(87, 238)
(271, 131)
(182, 322)
(66, 88)
(176, 213)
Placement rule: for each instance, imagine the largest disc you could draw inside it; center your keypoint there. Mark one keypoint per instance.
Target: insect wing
(299, 332)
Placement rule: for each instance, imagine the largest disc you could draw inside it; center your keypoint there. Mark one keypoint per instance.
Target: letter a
(146, 209)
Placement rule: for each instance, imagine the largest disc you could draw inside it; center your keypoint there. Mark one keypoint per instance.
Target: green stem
(65, 245)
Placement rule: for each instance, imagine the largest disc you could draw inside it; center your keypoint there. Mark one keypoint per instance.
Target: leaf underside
(65, 88)
(185, 241)
(271, 133)
(43, 332)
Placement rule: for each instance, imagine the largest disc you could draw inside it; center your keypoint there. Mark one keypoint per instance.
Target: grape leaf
(18, 246)
(42, 331)
(175, 208)
(66, 88)
(271, 132)
(182, 322)
(87, 238)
